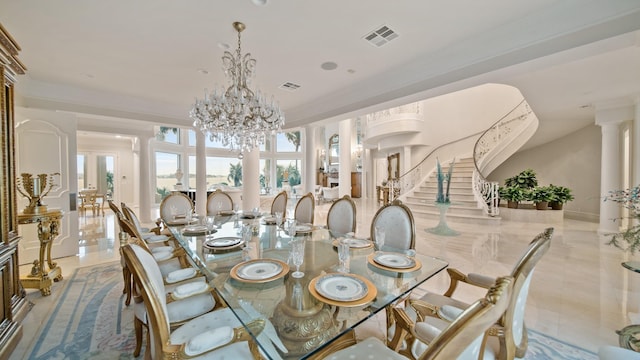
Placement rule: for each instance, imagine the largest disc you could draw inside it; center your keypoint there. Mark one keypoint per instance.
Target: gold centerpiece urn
(34, 188)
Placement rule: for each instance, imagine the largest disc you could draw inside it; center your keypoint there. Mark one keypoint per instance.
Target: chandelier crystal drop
(236, 116)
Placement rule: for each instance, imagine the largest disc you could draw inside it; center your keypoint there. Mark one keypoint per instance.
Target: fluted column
(251, 180)
(344, 131)
(310, 159)
(201, 173)
(609, 175)
(145, 185)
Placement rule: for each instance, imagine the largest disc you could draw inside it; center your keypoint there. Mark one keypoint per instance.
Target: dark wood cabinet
(322, 179)
(13, 306)
(356, 184)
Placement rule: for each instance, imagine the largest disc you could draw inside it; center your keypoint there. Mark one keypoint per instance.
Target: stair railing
(484, 190)
(485, 142)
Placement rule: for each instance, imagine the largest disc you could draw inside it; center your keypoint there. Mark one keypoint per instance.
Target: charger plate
(259, 270)
(223, 243)
(355, 243)
(371, 291)
(197, 230)
(269, 220)
(372, 261)
(178, 222)
(303, 228)
(226, 213)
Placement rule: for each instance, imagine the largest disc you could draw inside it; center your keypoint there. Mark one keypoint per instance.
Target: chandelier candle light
(238, 117)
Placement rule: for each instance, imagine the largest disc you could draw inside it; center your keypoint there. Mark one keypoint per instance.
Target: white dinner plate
(357, 243)
(223, 242)
(394, 260)
(303, 228)
(259, 270)
(341, 287)
(195, 230)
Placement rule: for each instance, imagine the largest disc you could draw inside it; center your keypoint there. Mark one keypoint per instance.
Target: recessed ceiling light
(223, 46)
(259, 2)
(203, 71)
(329, 65)
(351, 71)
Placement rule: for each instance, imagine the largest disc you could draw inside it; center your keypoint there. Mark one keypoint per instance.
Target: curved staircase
(464, 207)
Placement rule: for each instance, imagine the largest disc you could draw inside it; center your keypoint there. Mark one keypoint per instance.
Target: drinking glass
(211, 224)
(343, 256)
(297, 254)
(290, 227)
(379, 232)
(278, 221)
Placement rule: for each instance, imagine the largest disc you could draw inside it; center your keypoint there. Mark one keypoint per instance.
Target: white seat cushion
(162, 255)
(181, 310)
(156, 238)
(617, 353)
(370, 348)
(190, 289)
(209, 340)
(206, 322)
(180, 275)
(161, 249)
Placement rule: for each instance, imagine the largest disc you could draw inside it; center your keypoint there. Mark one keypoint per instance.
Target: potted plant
(524, 180)
(560, 195)
(541, 195)
(628, 240)
(513, 195)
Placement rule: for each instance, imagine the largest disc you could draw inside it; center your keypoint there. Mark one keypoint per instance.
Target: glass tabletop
(255, 278)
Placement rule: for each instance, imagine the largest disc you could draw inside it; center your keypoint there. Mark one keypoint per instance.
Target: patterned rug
(91, 322)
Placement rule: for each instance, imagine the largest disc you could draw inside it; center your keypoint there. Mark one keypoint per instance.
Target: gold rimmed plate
(370, 290)
(355, 243)
(303, 228)
(379, 263)
(259, 270)
(223, 243)
(197, 230)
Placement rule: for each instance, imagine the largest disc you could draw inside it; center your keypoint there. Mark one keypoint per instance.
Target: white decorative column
(310, 159)
(201, 174)
(251, 180)
(344, 131)
(145, 185)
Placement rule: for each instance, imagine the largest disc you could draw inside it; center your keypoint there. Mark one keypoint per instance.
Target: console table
(48, 223)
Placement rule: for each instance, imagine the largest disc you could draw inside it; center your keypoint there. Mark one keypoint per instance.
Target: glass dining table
(249, 260)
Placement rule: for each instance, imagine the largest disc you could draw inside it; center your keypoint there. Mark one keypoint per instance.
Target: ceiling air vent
(380, 36)
(289, 86)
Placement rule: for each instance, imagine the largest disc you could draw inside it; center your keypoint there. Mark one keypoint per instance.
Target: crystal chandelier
(237, 117)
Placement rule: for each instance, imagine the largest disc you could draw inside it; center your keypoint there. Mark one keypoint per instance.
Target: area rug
(91, 321)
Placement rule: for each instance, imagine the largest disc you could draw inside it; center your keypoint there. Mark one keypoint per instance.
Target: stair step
(453, 218)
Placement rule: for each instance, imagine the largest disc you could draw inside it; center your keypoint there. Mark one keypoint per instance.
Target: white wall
(573, 161)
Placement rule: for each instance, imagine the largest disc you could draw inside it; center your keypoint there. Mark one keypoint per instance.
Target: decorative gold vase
(35, 188)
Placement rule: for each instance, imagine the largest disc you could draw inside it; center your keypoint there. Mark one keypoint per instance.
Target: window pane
(290, 168)
(168, 134)
(166, 166)
(265, 176)
(82, 171)
(288, 142)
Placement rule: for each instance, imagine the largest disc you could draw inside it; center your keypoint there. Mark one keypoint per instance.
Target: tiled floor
(579, 292)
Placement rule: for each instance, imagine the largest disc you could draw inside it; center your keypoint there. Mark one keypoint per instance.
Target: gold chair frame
(286, 199)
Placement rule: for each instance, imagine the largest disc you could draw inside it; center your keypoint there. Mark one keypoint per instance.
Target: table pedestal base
(42, 281)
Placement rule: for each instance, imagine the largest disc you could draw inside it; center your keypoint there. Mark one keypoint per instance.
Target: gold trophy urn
(34, 188)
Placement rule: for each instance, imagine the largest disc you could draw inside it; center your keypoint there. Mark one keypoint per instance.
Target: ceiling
(148, 59)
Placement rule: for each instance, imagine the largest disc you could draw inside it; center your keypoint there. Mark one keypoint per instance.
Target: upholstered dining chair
(219, 201)
(151, 235)
(175, 204)
(397, 222)
(305, 208)
(341, 218)
(279, 204)
(509, 335)
(617, 353)
(462, 339)
(217, 334)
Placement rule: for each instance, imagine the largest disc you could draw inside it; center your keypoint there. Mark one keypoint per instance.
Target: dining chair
(175, 204)
(305, 208)
(88, 201)
(609, 352)
(219, 201)
(217, 334)
(279, 204)
(341, 218)
(396, 220)
(148, 234)
(463, 338)
(509, 335)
